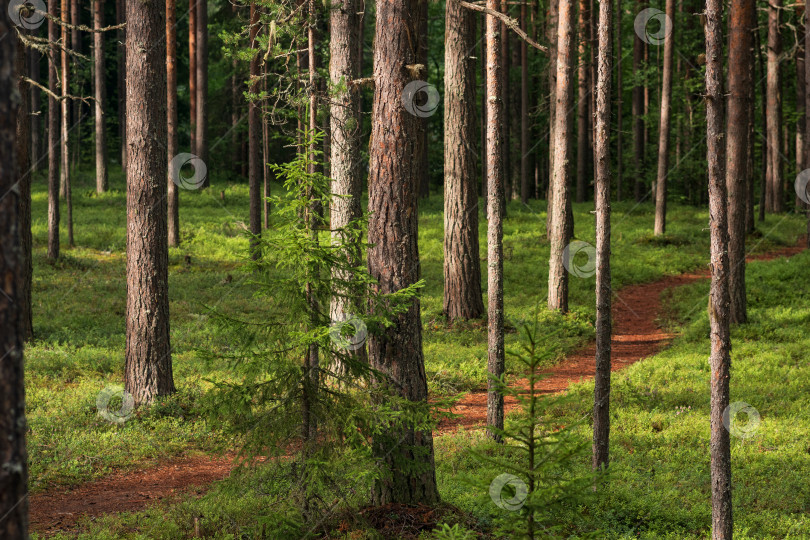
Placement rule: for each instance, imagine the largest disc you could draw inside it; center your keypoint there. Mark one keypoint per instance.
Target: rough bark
(65, 141)
(495, 207)
(254, 127)
(601, 397)
(13, 457)
(101, 97)
(663, 128)
(637, 106)
(774, 200)
(148, 351)
(462, 267)
(560, 200)
(763, 191)
(121, 16)
(720, 358)
(393, 258)
(583, 98)
(172, 197)
(192, 72)
(551, 32)
(201, 127)
(53, 136)
(740, 58)
(619, 104)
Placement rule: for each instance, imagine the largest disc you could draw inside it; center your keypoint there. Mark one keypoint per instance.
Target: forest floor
(637, 334)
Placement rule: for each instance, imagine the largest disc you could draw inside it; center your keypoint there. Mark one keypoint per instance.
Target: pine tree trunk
(765, 167)
(24, 170)
(807, 112)
(663, 128)
(551, 32)
(148, 350)
(36, 128)
(422, 48)
(638, 116)
(720, 359)
(462, 266)
(495, 205)
(393, 258)
(484, 121)
(235, 102)
(560, 200)
(192, 73)
(14, 471)
(121, 16)
(774, 201)
(53, 136)
(101, 97)
(526, 155)
(505, 86)
(601, 397)
(254, 125)
(583, 98)
(201, 137)
(65, 142)
(742, 20)
(76, 45)
(173, 199)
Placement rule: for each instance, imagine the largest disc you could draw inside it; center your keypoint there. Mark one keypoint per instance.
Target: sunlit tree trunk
(774, 200)
(121, 16)
(393, 257)
(583, 98)
(201, 137)
(619, 104)
(559, 199)
(53, 135)
(173, 199)
(526, 169)
(101, 97)
(601, 401)
(807, 111)
(720, 358)
(148, 351)
(65, 142)
(663, 128)
(192, 72)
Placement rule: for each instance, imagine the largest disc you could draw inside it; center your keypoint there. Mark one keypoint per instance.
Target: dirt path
(636, 335)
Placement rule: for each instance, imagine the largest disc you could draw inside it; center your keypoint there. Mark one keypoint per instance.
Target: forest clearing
(404, 269)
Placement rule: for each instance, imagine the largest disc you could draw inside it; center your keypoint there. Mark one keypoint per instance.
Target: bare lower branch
(510, 23)
(85, 99)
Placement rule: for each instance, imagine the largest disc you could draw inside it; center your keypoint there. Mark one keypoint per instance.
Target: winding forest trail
(636, 335)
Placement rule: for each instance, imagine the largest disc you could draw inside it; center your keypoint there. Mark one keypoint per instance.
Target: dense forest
(404, 269)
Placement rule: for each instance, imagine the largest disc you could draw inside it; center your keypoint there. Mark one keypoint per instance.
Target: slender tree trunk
(254, 119)
(775, 194)
(742, 20)
(525, 154)
(100, 91)
(76, 45)
(201, 138)
(619, 103)
(393, 257)
(173, 199)
(663, 128)
(36, 128)
(345, 133)
(24, 171)
(121, 12)
(53, 135)
(192, 72)
(601, 401)
(551, 32)
(638, 115)
(266, 153)
(462, 267)
(583, 98)
(495, 205)
(236, 98)
(65, 143)
(484, 120)
(763, 192)
(14, 472)
(807, 113)
(560, 201)
(148, 349)
(720, 359)
(800, 91)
